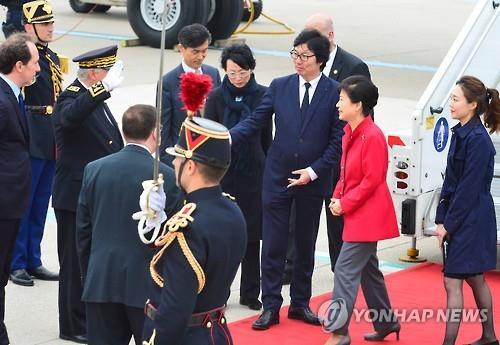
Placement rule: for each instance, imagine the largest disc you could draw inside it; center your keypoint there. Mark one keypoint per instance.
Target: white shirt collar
(15, 88)
(313, 82)
(329, 63)
(187, 69)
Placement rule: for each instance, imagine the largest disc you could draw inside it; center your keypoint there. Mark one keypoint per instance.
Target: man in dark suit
(201, 247)
(18, 67)
(39, 99)
(340, 65)
(193, 45)
(114, 262)
(85, 131)
(307, 143)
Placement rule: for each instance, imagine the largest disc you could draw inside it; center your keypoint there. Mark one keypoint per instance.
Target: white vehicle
(221, 17)
(418, 155)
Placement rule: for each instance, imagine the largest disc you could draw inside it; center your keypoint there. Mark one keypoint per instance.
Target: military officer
(201, 246)
(39, 100)
(85, 130)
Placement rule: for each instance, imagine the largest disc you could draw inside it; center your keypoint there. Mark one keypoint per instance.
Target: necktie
(305, 103)
(22, 110)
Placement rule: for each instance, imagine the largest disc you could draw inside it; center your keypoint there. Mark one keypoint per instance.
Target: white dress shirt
(329, 63)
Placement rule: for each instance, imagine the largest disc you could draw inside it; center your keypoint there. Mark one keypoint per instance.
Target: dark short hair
(317, 44)
(14, 49)
(194, 35)
(240, 54)
(138, 122)
(361, 89)
(211, 174)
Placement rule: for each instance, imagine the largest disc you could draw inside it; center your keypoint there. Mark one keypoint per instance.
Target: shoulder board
(229, 196)
(182, 218)
(73, 88)
(97, 89)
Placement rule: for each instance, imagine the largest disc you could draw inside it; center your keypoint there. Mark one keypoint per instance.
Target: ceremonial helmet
(36, 12)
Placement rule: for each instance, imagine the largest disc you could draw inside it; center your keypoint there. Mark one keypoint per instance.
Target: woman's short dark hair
(194, 35)
(138, 122)
(361, 89)
(240, 54)
(317, 44)
(14, 49)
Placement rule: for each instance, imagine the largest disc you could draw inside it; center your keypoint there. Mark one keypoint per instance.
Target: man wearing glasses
(307, 143)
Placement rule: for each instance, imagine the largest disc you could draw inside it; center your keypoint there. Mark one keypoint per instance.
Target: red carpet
(420, 287)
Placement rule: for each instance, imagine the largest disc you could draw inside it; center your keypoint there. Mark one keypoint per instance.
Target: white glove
(152, 214)
(114, 78)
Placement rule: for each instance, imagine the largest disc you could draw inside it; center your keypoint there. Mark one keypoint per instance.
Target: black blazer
(346, 65)
(247, 187)
(172, 113)
(15, 168)
(84, 133)
(113, 261)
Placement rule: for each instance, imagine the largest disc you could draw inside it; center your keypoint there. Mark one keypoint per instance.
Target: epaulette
(229, 196)
(96, 89)
(173, 230)
(73, 88)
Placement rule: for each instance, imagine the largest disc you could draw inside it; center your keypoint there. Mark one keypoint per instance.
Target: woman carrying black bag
(229, 104)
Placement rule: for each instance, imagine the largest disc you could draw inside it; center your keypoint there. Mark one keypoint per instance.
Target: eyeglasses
(304, 57)
(242, 74)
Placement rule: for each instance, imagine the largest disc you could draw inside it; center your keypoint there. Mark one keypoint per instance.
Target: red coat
(369, 214)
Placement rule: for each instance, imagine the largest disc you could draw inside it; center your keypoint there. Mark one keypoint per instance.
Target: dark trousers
(27, 253)
(113, 324)
(290, 249)
(335, 228)
(8, 229)
(250, 272)
(358, 265)
(71, 308)
(276, 216)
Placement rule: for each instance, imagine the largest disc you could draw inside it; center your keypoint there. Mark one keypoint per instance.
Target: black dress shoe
(252, 303)
(303, 313)
(266, 320)
(43, 274)
(21, 277)
(380, 335)
(80, 339)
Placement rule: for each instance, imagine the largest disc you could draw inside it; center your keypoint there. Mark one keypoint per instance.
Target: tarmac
(402, 41)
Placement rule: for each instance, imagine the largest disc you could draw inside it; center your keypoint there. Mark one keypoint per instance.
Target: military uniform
(39, 100)
(85, 130)
(200, 250)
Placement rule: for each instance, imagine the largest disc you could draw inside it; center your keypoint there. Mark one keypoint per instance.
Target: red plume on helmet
(194, 91)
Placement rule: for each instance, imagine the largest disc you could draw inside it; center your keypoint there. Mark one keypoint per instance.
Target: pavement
(402, 41)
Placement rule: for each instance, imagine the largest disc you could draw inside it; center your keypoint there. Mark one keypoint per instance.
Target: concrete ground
(402, 41)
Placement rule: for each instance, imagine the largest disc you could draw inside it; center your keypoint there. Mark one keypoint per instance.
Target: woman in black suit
(229, 104)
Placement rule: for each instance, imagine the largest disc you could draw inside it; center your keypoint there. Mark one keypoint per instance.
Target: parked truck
(418, 155)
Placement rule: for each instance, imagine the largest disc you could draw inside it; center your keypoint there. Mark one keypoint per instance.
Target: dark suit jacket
(172, 113)
(316, 142)
(113, 260)
(347, 65)
(245, 186)
(15, 169)
(83, 134)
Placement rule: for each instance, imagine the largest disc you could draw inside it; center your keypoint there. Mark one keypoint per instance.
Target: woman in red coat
(363, 198)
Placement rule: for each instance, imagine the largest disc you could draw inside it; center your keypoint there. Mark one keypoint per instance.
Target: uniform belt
(205, 319)
(40, 109)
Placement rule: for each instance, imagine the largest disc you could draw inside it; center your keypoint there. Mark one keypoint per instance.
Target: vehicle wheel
(101, 8)
(257, 7)
(226, 18)
(80, 7)
(145, 17)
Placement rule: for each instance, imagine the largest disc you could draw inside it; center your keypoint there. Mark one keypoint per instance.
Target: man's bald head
(324, 24)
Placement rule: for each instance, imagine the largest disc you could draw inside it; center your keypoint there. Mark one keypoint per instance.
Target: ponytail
(492, 111)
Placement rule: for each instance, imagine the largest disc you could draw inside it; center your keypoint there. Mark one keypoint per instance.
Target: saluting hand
(303, 179)
(114, 78)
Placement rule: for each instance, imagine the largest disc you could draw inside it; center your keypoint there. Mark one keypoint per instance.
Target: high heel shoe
(490, 343)
(380, 335)
(345, 340)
